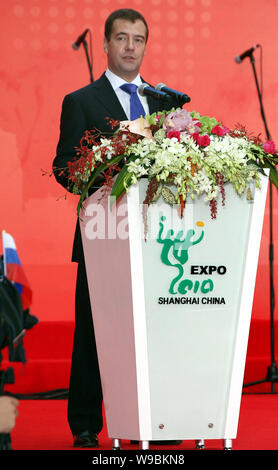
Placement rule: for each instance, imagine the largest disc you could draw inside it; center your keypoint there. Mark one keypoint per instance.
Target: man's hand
(8, 413)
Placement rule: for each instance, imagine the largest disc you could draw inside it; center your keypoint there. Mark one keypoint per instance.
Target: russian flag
(13, 270)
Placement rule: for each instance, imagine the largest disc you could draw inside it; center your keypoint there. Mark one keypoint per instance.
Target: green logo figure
(177, 247)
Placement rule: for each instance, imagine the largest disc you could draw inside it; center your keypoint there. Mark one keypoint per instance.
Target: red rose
(201, 140)
(172, 134)
(204, 141)
(195, 136)
(269, 147)
(217, 130)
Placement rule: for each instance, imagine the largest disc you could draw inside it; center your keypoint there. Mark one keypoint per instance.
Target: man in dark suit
(126, 34)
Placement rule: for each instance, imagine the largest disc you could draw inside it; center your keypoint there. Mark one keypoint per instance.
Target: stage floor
(42, 425)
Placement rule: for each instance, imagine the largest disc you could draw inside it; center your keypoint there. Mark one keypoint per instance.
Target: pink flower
(180, 120)
(226, 130)
(269, 147)
(171, 134)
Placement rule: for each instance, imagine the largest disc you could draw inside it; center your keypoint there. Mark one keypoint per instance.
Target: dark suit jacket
(86, 109)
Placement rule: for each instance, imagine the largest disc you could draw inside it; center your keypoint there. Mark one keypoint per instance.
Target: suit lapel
(154, 105)
(108, 98)
(109, 101)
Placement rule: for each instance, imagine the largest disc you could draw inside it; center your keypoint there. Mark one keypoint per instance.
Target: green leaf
(122, 181)
(119, 186)
(95, 174)
(273, 176)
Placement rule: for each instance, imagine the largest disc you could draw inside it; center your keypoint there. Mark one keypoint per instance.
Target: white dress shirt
(124, 97)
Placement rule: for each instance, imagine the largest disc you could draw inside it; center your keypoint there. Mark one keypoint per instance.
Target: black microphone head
(248, 53)
(75, 46)
(81, 39)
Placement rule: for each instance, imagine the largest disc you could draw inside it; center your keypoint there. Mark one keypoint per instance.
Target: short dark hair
(125, 14)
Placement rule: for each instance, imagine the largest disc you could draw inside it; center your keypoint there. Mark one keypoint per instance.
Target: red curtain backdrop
(192, 47)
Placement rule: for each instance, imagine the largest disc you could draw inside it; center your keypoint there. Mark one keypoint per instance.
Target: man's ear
(105, 46)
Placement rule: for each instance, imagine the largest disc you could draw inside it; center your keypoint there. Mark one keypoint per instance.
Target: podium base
(149, 299)
(227, 444)
(199, 444)
(116, 445)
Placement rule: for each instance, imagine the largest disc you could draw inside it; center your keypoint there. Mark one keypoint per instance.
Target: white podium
(172, 313)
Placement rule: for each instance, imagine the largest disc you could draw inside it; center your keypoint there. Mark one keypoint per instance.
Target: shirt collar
(117, 81)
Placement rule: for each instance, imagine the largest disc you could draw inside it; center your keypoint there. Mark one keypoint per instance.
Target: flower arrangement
(196, 154)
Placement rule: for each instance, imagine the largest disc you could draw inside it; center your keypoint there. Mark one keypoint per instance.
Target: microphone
(181, 97)
(241, 57)
(145, 89)
(79, 40)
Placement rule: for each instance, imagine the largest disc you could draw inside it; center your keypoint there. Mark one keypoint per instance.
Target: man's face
(126, 48)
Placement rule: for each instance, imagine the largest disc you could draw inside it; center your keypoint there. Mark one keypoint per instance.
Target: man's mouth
(129, 58)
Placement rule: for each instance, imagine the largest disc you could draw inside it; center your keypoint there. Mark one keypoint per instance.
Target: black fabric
(86, 109)
(85, 393)
(11, 321)
(5, 442)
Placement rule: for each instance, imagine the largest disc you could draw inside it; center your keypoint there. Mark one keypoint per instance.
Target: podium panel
(172, 310)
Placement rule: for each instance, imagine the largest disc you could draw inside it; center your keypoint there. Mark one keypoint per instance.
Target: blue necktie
(136, 108)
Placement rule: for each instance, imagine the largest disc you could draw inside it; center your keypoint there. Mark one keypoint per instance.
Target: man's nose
(130, 44)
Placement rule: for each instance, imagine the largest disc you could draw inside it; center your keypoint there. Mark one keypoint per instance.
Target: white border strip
(245, 310)
(139, 313)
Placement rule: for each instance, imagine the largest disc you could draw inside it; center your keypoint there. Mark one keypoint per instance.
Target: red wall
(192, 47)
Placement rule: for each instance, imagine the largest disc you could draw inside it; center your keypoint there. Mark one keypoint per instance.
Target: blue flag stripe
(11, 256)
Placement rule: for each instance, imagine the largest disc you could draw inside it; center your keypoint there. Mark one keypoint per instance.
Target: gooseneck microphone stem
(82, 40)
(252, 60)
(85, 45)
(272, 371)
